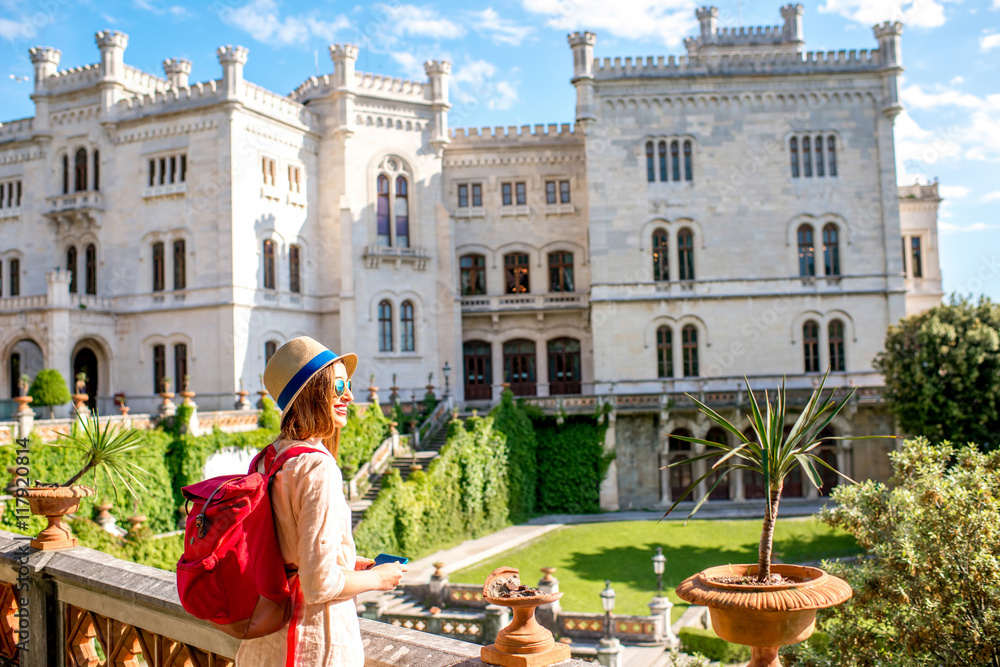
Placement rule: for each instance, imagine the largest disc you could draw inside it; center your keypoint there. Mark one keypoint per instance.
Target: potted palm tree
(763, 605)
(104, 450)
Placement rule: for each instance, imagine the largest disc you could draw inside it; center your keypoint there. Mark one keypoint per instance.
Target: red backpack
(232, 572)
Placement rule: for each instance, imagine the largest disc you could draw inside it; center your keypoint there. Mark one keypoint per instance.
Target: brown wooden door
(564, 366)
(478, 371)
(519, 367)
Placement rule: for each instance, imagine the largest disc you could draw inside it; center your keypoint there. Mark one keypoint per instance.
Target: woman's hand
(361, 563)
(388, 575)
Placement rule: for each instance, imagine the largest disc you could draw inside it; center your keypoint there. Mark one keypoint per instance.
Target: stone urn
(764, 617)
(22, 403)
(55, 502)
(523, 643)
(80, 402)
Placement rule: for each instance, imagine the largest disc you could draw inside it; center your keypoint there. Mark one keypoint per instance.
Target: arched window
(472, 269)
(402, 214)
(97, 170)
(819, 156)
(689, 344)
(65, 174)
(564, 366)
(810, 346)
(664, 352)
(650, 170)
(385, 326)
(661, 260)
(793, 147)
(270, 347)
(836, 334)
(180, 264)
(71, 267)
(407, 328)
(478, 359)
(268, 264)
(80, 170)
(15, 277)
(688, 171)
(519, 366)
(180, 364)
(831, 153)
(561, 272)
(159, 367)
(158, 264)
(295, 268)
(831, 250)
(90, 256)
(663, 161)
(807, 165)
(675, 159)
(382, 211)
(807, 252)
(685, 254)
(721, 492)
(516, 269)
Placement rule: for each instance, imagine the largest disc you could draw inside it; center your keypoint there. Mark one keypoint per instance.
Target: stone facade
(729, 212)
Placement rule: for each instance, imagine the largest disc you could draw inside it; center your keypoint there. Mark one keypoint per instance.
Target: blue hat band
(315, 364)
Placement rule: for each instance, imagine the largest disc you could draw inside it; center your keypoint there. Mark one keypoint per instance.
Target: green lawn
(587, 554)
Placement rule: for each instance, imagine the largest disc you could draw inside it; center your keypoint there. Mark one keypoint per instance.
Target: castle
(733, 211)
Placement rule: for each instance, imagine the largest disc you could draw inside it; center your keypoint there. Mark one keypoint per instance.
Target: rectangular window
(918, 265)
(15, 277)
(904, 255)
(268, 264)
(294, 179)
(180, 270)
(294, 283)
(472, 271)
(506, 193)
(550, 192)
(563, 192)
(477, 194)
(180, 365)
(522, 195)
(184, 168)
(516, 272)
(163, 170)
(463, 196)
(152, 173)
(159, 367)
(560, 272)
(268, 166)
(173, 168)
(158, 266)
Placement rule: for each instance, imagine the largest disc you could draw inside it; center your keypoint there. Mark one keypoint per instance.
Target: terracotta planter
(764, 617)
(54, 503)
(523, 643)
(22, 403)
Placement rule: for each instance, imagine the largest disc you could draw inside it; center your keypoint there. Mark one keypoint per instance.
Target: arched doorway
(721, 492)
(85, 361)
(681, 475)
(26, 359)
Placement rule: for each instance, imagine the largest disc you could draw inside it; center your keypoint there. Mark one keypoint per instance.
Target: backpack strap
(274, 465)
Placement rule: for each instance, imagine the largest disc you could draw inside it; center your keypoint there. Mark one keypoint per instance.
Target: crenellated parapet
(402, 90)
(177, 70)
(525, 135)
(721, 64)
(712, 39)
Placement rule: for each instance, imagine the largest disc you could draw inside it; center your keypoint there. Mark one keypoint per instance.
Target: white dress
(313, 524)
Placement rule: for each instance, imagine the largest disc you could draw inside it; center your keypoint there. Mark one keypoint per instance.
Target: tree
(942, 372)
(927, 591)
(49, 390)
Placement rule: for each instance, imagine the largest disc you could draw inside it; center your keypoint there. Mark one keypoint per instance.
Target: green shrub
(49, 389)
(708, 644)
(361, 437)
(522, 467)
(571, 464)
(270, 415)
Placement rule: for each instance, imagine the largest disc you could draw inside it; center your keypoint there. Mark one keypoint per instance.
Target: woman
(312, 387)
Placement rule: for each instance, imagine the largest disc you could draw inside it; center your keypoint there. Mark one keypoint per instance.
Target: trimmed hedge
(571, 464)
(708, 644)
(463, 495)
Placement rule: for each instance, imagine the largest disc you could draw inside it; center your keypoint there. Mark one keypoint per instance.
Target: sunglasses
(340, 385)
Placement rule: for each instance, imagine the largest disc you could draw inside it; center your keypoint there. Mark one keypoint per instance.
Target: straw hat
(294, 364)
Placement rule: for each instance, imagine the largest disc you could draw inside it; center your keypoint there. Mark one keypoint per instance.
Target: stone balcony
(525, 302)
(376, 255)
(87, 608)
(81, 209)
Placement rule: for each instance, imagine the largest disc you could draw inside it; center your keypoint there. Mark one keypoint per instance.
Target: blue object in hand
(382, 559)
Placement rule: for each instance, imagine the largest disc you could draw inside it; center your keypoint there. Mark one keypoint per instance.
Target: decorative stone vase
(764, 616)
(80, 402)
(187, 395)
(523, 643)
(55, 502)
(22, 403)
(124, 409)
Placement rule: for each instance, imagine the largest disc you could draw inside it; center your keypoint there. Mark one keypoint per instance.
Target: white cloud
(419, 22)
(666, 21)
(975, 134)
(957, 80)
(988, 42)
(262, 20)
(174, 10)
(500, 30)
(12, 30)
(950, 228)
(111, 20)
(992, 196)
(915, 13)
(917, 149)
(476, 83)
(916, 97)
(411, 65)
(954, 191)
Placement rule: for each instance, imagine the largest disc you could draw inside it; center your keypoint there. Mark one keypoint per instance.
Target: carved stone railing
(86, 608)
(632, 629)
(358, 485)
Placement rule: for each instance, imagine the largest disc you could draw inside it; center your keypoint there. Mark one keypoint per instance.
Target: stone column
(582, 44)
(46, 62)
(497, 618)
(438, 72)
(232, 59)
(661, 606)
(609, 652)
(739, 490)
(437, 585)
(25, 422)
(177, 71)
(548, 614)
(609, 485)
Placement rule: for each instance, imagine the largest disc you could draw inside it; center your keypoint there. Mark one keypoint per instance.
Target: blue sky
(511, 66)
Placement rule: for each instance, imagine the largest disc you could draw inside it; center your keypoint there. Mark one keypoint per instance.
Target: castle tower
(46, 62)
(438, 72)
(888, 35)
(792, 32)
(344, 57)
(177, 71)
(232, 58)
(708, 17)
(582, 44)
(112, 44)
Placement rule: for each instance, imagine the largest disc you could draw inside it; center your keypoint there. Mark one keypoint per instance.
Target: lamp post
(659, 561)
(608, 602)
(446, 370)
